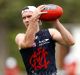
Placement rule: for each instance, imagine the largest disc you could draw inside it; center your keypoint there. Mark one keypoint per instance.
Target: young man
(36, 46)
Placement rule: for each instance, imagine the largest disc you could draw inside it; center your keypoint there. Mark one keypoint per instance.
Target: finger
(44, 12)
(41, 7)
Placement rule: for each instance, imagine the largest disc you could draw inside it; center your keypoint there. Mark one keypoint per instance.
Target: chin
(26, 25)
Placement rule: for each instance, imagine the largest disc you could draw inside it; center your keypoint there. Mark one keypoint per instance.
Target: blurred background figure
(61, 52)
(72, 60)
(11, 67)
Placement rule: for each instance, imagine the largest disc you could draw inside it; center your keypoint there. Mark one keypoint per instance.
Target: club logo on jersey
(38, 59)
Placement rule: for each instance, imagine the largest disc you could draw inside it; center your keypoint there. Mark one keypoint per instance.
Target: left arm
(61, 34)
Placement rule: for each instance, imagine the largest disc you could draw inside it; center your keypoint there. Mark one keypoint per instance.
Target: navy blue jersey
(40, 58)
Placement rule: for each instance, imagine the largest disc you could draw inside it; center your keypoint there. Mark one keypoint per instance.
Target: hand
(38, 12)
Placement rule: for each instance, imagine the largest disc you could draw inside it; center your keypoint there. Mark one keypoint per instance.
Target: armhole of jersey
(50, 35)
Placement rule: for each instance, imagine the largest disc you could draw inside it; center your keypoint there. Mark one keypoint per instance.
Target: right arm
(32, 29)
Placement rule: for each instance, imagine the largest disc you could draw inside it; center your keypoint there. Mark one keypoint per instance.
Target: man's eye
(29, 16)
(24, 17)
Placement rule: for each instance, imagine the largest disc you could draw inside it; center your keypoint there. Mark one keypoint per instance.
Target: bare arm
(30, 33)
(32, 28)
(62, 35)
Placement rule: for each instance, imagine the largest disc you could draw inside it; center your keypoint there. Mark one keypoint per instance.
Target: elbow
(71, 43)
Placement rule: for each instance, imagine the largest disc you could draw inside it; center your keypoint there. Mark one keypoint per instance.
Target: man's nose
(27, 20)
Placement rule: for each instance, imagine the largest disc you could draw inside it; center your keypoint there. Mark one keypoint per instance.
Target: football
(53, 12)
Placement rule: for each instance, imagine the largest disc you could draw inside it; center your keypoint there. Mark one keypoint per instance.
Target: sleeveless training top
(40, 59)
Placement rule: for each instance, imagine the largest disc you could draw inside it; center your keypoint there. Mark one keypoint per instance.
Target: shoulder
(19, 38)
(19, 35)
(52, 31)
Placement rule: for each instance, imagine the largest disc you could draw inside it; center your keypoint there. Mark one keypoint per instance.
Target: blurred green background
(11, 23)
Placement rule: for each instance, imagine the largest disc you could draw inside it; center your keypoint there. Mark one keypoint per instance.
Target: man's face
(26, 15)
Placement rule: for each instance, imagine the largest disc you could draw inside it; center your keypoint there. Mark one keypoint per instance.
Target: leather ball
(53, 12)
